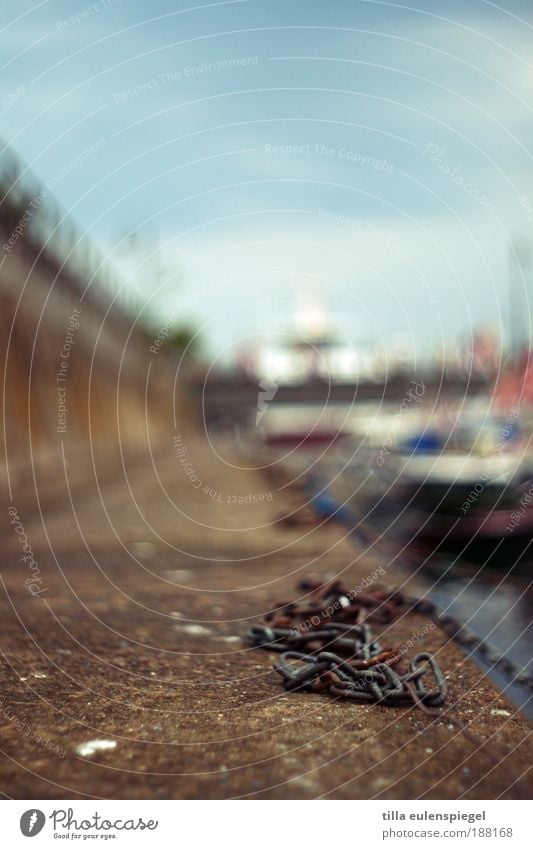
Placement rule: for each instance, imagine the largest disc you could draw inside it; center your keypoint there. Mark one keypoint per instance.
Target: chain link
(453, 627)
(378, 683)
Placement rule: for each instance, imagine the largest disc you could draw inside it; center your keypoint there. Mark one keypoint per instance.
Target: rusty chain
(362, 671)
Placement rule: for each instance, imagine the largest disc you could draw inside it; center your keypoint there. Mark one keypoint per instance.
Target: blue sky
(376, 154)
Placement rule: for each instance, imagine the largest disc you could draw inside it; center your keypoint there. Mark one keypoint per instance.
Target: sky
(234, 158)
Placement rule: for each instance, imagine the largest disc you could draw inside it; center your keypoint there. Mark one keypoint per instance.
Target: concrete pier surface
(124, 673)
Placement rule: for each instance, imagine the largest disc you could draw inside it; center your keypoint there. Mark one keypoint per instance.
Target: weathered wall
(101, 383)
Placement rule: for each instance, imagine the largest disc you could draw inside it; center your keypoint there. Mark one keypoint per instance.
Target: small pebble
(144, 550)
(194, 630)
